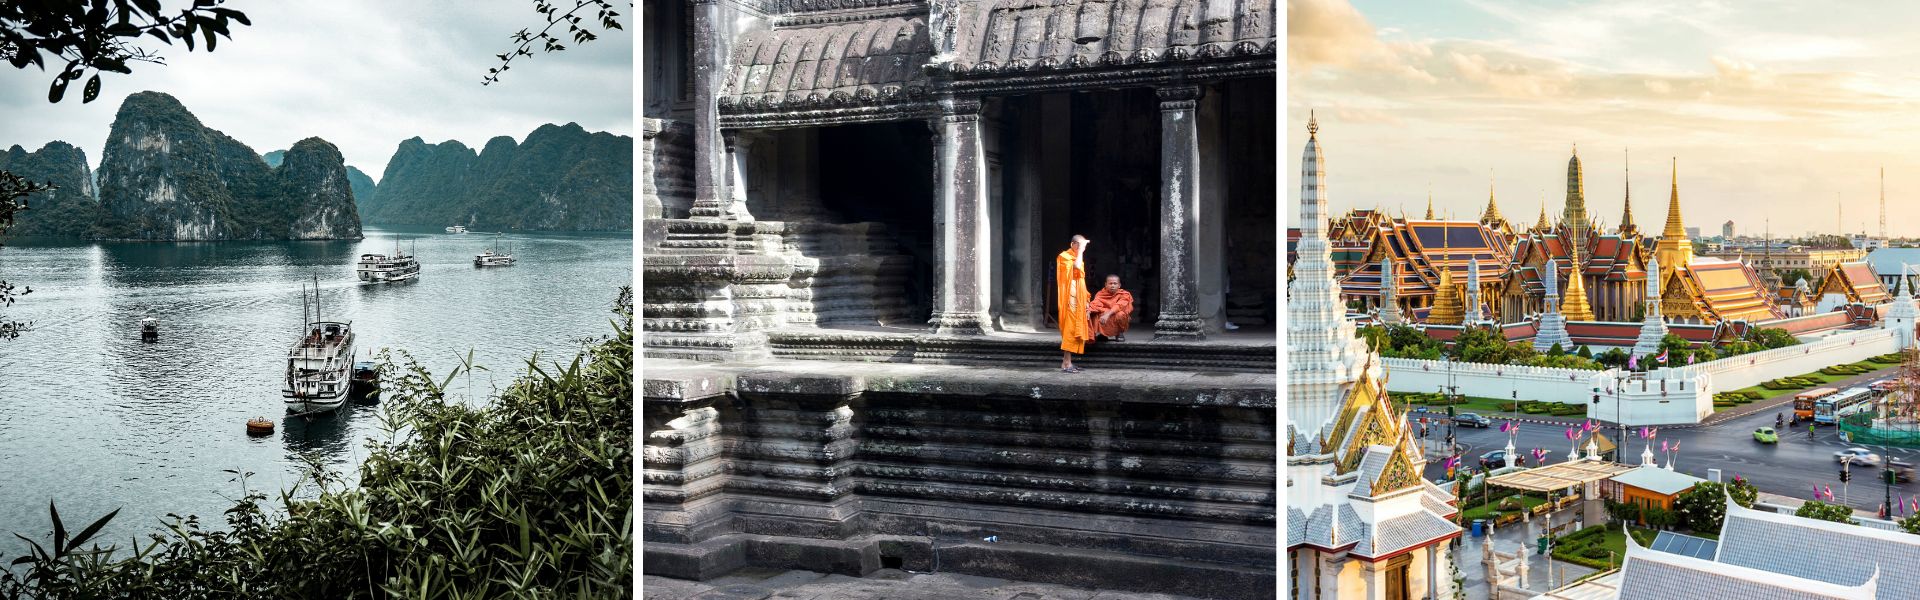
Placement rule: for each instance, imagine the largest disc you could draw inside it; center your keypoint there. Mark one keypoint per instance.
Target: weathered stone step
(1036, 350)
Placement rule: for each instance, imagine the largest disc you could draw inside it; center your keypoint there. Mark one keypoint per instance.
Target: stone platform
(1128, 479)
(1237, 351)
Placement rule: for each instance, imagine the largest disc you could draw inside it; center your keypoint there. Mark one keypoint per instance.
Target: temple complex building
(1430, 262)
(1850, 283)
(1361, 521)
(922, 162)
(851, 211)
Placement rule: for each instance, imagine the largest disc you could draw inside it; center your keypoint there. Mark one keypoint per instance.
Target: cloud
(362, 74)
(1759, 133)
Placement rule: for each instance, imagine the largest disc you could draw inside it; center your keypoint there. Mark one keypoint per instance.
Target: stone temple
(851, 211)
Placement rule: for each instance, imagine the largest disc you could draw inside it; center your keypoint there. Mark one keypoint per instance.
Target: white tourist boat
(383, 268)
(457, 229)
(493, 257)
(320, 365)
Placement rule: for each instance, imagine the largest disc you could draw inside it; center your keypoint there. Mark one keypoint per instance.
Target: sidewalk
(1505, 539)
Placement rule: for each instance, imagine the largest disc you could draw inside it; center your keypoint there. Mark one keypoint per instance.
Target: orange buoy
(259, 426)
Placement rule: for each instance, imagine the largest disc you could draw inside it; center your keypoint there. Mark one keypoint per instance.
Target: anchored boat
(493, 257)
(149, 330)
(382, 268)
(319, 365)
(457, 229)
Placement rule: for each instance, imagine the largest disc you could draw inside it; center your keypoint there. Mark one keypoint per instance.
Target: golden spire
(1492, 214)
(1674, 250)
(1429, 201)
(1543, 225)
(1574, 306)
(1627, 228)
(1447, 307)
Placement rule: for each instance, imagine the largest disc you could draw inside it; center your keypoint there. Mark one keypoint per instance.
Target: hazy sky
(1772, 108)
(362, 74)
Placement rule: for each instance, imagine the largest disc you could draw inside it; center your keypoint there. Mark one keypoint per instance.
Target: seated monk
(1111, 310)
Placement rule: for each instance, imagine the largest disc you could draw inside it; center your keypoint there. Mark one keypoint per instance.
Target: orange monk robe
(1121, 303)
(1070, 285)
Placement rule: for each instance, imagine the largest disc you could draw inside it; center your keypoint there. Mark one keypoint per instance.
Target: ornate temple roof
(1717, 290)
(1421, 250)
(1609, 257)
(860, 63)
(1856, 281)
(1835, 553)
(1026, 36)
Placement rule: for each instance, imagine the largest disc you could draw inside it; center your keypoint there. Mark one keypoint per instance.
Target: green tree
(1703, 508)
(1815, 509)
(1659, 518)
(99, 36)
(1585, 352)
(1376, 337)
(1613, 357)
(1771, 337)
(1556, 350)
(1910, 523)
(1743, 492)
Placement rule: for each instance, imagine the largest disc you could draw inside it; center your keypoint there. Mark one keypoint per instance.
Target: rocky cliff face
(560, 178)
(69, 211)
(165, 176)
(361, 184)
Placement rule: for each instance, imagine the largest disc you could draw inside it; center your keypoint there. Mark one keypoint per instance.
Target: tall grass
(529, 496)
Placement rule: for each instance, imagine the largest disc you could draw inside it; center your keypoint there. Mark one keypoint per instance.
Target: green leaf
(92, 90)
(87, 534)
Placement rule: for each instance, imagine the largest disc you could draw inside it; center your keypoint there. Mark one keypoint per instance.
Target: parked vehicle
(1858, 456)
(1498, 459)
(1472, 420)
(1766, 435)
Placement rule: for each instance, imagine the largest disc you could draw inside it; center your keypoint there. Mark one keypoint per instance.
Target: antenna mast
(1883, 204)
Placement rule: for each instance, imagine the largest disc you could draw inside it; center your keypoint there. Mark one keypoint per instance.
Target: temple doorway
(859, 198)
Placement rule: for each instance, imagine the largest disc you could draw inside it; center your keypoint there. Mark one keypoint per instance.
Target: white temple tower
(1324, 356)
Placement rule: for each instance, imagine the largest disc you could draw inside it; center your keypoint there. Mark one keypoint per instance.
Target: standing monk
(1070, 283)
(1112, 310)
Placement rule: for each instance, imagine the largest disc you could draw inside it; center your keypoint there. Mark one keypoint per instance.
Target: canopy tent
(1553, 478)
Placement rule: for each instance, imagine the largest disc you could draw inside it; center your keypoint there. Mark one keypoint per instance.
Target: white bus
(1829, 410)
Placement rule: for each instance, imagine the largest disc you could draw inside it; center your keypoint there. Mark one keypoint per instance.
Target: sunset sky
(1772, 108)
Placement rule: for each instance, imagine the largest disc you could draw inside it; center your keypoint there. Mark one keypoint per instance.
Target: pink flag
(1589, 427)
(1829, 492)
(1663, 446)
(1571, 434)
(1676, 445)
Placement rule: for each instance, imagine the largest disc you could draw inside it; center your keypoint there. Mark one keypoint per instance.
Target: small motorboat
(457, 229)
(149, 330)
(366, 382)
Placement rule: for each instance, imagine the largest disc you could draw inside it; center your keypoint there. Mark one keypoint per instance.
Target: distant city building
(1780, 257)
(1693, 233)
(1726, 230)
(1860, 241)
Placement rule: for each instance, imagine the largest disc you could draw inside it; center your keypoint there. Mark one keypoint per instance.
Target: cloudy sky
(1776, 111)
(362, 74)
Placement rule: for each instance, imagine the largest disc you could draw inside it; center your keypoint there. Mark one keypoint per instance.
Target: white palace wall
(1659, 397)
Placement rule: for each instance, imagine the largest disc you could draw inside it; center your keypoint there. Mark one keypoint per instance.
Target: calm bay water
(95, 420)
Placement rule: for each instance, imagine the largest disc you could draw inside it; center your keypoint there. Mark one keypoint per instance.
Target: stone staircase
(857, 275)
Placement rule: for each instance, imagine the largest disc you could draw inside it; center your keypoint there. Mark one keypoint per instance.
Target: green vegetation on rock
(561, 178)
(165, 176)
(71, 209)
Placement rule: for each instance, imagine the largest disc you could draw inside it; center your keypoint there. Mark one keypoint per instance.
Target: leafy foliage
(1815, 509)
(525, 40)
(1743, 492)
(1703, 508)
(1659, 518)
(100, 36)
(529, 496)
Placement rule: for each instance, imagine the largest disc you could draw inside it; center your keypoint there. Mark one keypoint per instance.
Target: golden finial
(1313, 124)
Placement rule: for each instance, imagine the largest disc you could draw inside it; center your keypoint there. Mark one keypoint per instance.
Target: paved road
(1790, 468)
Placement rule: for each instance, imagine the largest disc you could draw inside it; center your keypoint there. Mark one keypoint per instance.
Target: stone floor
(1505, 539)
(885, 584)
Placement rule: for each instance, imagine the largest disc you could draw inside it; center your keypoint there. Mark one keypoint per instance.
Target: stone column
(709, 185)
(738, 149)
(960, 238)
(1179, 213)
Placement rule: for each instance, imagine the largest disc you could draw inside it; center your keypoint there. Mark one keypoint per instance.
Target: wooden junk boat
(319, 364)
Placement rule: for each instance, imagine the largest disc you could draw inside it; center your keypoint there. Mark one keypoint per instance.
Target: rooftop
(1658, 480)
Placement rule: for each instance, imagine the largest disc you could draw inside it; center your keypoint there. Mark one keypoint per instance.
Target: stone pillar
(1179, 213)
(709, 185)
(738, 148)
(1210, 260)
(960, 238)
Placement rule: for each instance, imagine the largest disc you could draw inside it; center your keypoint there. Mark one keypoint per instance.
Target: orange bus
(1803, 401)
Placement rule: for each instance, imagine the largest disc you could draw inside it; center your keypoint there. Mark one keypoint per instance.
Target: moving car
(1859, 456)
(1498, 459)
(1766, 435)
(1472, 420)
(1902, 471)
